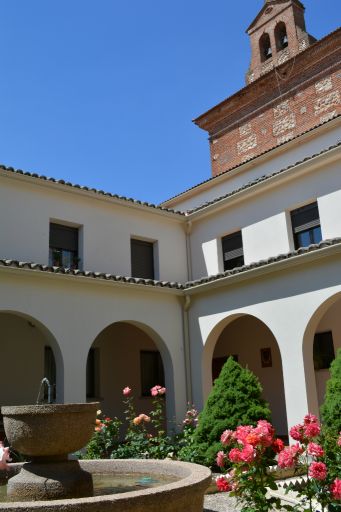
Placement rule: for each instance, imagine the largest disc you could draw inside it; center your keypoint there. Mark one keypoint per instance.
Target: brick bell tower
(293, 86)
(277, 34)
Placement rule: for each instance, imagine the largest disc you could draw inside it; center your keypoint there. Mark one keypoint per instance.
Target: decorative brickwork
(324, 85)
(247, 144)
(290, 100)
(284, 124)
(327, 102)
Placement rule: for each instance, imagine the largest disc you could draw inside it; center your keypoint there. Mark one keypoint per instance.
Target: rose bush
(141, 436)
(251, 450)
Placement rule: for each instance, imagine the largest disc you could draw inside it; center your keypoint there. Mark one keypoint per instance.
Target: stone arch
(281, 36)
(265, 47)
(325, 318)
(119, 365)
(23, 343)
(231, 336)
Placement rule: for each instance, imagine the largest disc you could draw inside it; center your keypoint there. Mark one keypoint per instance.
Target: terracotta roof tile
(89, 189)
(166, 284)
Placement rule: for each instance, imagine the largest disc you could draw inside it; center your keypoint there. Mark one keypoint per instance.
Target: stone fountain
(46, 434)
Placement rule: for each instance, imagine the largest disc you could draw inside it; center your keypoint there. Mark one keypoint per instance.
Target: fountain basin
(50, 430)
(184, 495)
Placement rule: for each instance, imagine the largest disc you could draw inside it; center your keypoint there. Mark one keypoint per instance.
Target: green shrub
(331, 409)
(235, 400)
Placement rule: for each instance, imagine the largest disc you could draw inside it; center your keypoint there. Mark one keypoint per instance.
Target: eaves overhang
(282, 262)
(253, 162)
(21, 268)
(91, 193)
(304, 255)
(268, 181)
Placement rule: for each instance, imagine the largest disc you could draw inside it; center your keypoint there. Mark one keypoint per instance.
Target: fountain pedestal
(46, 434)
(50, 481)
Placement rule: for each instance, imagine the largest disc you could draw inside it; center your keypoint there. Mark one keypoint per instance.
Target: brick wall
(278, 123)
(286, 102)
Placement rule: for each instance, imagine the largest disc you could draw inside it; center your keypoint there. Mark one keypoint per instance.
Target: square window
(306, 225)
(151, 371)
(63, 245)
(324, 352)
(142, 259)
(233, 255)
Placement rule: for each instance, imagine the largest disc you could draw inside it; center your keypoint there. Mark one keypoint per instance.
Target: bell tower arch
(277, 34)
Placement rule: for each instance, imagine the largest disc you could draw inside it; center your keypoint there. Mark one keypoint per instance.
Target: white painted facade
(279, 305)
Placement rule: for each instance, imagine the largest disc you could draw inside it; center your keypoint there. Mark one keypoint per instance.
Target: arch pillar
(72, 378)
(298, 368)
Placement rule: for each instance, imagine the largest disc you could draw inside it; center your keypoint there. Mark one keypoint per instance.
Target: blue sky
(102, 92)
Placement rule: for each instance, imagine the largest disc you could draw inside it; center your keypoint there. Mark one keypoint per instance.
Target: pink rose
(226, 437)
(242, 432)
(248, 453)
(336, 489)
(296, 432)
(310, 418)
(157, 390)
(126, 391)
(4, 456)
(234, 455)
(312, 430)
(222, 483)
(339, 440)
(288, 457)
(318, 470)
(220, 459)
(315, 449)
(137, 420)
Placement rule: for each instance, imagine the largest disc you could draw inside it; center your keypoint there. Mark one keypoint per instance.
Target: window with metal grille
(142, 259)
(63, 246)
(324, 352)
(233, 254)
(152, 373)
(306, 225)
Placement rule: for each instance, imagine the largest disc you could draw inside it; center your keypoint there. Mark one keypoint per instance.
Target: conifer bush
(235, 399)
(331, 409)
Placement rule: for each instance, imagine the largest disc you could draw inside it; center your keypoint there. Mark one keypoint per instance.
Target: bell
(268, 53)
(285, 40)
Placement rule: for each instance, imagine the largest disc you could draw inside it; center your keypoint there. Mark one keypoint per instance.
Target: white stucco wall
(330, 213)
(288, 303)
(105, 228)
(289, 154)
(75, 311)
(269, 237)
(264, 218)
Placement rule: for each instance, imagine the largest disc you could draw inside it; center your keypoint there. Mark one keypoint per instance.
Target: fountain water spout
(46, 382)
